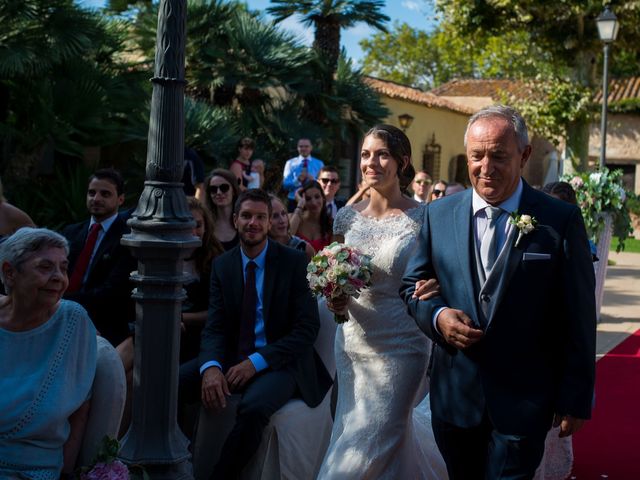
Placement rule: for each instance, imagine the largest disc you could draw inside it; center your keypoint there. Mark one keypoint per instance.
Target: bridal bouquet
(339, 270)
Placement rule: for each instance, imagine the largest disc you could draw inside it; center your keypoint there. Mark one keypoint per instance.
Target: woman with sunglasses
(438, 190)
(222, 192)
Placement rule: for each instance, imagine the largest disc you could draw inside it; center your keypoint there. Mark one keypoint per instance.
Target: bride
(382, 427)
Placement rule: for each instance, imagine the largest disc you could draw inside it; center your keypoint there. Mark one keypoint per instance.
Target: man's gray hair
(509, 114)
(16, 249)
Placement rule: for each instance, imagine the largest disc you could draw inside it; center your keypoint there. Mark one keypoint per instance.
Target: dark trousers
(262, 397)
(482, 452)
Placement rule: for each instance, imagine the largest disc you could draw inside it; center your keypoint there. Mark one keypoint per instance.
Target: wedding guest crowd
(422, 386)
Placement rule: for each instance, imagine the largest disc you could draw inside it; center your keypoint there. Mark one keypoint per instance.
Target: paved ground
(620, 314)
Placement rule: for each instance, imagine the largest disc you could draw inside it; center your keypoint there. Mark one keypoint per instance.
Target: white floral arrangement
(599, 193)
(337, 271)
(524, 223)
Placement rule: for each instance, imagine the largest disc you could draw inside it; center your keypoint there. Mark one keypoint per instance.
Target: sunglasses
(324, 181)
(437, 192)
(423, 182)
(224, 188)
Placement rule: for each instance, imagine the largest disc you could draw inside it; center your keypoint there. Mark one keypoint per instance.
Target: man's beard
(250, 242)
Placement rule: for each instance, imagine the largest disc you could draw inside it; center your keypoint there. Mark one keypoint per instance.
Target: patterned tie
(247, 338)
(488, 243)
(82, 263)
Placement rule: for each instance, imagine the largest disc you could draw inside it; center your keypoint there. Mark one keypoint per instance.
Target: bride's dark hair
(399, 147)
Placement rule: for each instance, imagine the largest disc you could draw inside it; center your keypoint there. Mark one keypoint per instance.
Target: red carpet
(609, 444)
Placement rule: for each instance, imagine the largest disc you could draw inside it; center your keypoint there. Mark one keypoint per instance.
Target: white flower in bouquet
(595, 177)
(339, 270)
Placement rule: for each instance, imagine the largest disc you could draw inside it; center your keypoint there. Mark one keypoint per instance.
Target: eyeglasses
(423, 182)
(213, 189)
(438, 193)
(324, 181)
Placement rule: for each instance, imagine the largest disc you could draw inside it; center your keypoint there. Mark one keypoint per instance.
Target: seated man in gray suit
(259, 335)
(514, 323)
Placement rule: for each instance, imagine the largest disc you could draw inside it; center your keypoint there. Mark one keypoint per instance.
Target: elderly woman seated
(47, 359)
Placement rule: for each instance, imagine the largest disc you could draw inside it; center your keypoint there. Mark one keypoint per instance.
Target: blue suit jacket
(537, 356)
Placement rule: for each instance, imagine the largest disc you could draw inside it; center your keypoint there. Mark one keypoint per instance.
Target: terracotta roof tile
(405, 92)
(621, 89)
(472, 87)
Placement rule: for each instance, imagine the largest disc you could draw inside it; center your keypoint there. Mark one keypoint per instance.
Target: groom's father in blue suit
(514, 324)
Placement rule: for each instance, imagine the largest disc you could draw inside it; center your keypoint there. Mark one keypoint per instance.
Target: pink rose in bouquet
(339, 270)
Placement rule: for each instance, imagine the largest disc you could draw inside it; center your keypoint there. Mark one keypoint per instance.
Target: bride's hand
(338, 304)
(426, 289)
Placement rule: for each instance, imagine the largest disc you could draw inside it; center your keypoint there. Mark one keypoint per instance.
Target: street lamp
(608, 30)
(405, 121)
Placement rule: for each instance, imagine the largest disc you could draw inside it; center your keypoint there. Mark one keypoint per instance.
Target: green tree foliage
(262, 81)
(329, 17)
(566, 30)
(427, 59)
(63, 82)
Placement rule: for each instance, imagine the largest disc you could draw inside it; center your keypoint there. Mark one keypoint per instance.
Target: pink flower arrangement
(339, 270)
(114, 470)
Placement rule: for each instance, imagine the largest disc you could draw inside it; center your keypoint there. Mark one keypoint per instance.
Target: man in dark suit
(329, 180)
(259, 335)
(514, 323)
(99, 266)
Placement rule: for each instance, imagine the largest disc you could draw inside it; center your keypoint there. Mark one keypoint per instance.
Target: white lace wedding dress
(382, 428)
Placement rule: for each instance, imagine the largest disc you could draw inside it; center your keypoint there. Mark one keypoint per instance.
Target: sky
(417, 13)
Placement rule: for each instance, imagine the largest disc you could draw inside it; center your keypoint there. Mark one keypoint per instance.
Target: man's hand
(214, 389)
(457, 328)
(240, 374)
(568, 424)
(426, 289)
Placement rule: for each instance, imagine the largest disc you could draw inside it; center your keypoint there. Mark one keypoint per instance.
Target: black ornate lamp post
(160, 239)
(608, 30)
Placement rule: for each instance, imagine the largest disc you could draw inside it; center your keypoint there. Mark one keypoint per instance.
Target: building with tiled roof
(436, 131)
(623, 132)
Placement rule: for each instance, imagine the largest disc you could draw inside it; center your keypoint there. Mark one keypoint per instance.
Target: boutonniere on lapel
(524, 223)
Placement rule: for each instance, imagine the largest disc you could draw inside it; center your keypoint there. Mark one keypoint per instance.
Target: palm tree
(329, 17)
(62, 85)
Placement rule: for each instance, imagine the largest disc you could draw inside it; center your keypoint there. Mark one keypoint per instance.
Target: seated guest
(194, 308)
(421, 186)
(258, 344)
(309, 219)
(439, 190)
(47, 359)
(329, 180)
(250, 172)
(222, 192)
(11, 218)
(99, 266)
(279, 230)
